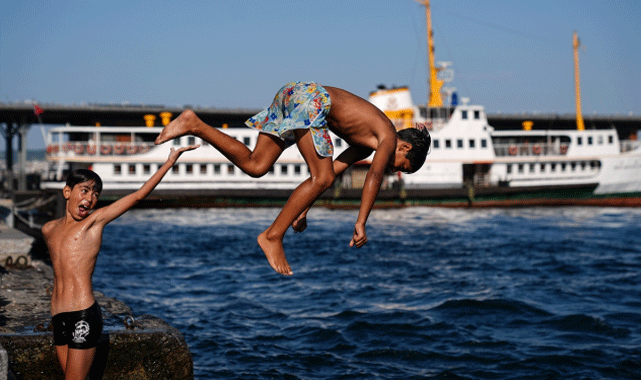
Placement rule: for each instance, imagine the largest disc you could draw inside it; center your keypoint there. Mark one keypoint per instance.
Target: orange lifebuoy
(91, 149)
(49, 149)
(512, 150)
(564, 149)
(144, 149)
(536, 149)
(67, 147)
(132, 149)
(119, 149)
(78, 149)
(105, 149)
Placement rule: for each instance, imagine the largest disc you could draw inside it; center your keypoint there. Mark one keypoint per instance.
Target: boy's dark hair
(84, 175)
(421, 142)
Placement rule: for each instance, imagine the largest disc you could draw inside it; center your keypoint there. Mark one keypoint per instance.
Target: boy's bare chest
(74, 240)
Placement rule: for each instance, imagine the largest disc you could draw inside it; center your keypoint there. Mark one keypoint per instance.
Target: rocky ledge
(141, 347)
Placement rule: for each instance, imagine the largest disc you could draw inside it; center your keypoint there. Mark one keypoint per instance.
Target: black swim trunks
(78, 329)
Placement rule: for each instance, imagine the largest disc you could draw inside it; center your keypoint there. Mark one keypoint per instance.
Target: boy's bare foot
(275, 254)
(178, 127)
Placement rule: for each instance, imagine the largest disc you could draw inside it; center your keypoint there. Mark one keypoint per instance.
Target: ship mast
(435, 99)
(576, 43)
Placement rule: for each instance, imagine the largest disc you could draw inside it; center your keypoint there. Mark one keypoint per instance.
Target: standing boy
(74, 242)
(303, 114)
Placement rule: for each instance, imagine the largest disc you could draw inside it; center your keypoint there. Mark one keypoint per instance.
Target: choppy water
(540, 293)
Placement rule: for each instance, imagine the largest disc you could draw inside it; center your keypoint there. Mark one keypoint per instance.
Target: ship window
(176, 141)
(477, 114)
(146, 168)
(191, 140)
(611, 139)
(573, 166)
(464, 115)
(483, 143)
(599, 140)
(271, 170)
(435, 144)
(246, 141)
(175, 170)
(542, 168)
(520, 168)
(117, 169)
(583, 165)
(189, 168)
(339, 143)
(459, 143)
(230, 169)
(472, 143)
(448, 143)
(553, 167)
(283, 169)
(203, 169)
(579, 141)
(589, 140)
(532, 168)
(296, 169)
(216, 168)
(132, 168)
(563, 167)
(509, 169)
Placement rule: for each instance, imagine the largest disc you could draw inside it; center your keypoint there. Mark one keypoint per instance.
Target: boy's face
(81, 199)
(401, 163)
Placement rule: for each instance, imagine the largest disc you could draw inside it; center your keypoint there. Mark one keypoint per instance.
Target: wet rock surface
(131, 347)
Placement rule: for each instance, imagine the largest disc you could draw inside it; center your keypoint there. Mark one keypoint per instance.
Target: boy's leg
(61, 352)
(255, 163)
(321, 178)
(79, 363)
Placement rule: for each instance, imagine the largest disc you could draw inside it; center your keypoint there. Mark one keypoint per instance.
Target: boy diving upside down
(303, 114)
(74, 243)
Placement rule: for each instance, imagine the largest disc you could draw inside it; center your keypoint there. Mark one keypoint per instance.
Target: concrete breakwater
(131, 347)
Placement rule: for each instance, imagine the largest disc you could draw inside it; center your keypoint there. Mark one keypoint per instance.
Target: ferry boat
(471, 164)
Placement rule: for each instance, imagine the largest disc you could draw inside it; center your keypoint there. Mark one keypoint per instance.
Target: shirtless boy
(303, 114)
(74, 242)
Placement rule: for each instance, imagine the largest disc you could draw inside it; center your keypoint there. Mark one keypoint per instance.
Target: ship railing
(530, 149)
(76, 149)
(629, 145)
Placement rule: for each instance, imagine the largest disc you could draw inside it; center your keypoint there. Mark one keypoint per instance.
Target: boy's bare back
(357, 121)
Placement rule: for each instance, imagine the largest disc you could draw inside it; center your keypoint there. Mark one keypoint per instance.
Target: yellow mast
(576, 43)
(435, 99)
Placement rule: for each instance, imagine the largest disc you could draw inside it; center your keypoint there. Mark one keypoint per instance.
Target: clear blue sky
(510, 56)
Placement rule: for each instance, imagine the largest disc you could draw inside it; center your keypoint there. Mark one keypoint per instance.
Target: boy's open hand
(174, 154)
(360, 237)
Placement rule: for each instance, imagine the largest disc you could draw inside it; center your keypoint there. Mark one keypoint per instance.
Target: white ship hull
(470, 165)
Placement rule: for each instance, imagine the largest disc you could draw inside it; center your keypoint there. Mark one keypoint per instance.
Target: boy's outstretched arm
(107, 214)
(372, 185)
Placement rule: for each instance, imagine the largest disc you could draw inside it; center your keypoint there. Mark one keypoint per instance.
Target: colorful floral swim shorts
(297, 105)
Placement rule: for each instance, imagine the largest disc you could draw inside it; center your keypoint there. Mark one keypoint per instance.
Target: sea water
(529, 293)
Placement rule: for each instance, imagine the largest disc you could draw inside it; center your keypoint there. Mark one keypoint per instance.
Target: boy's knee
(324, 180)
(256, 171)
